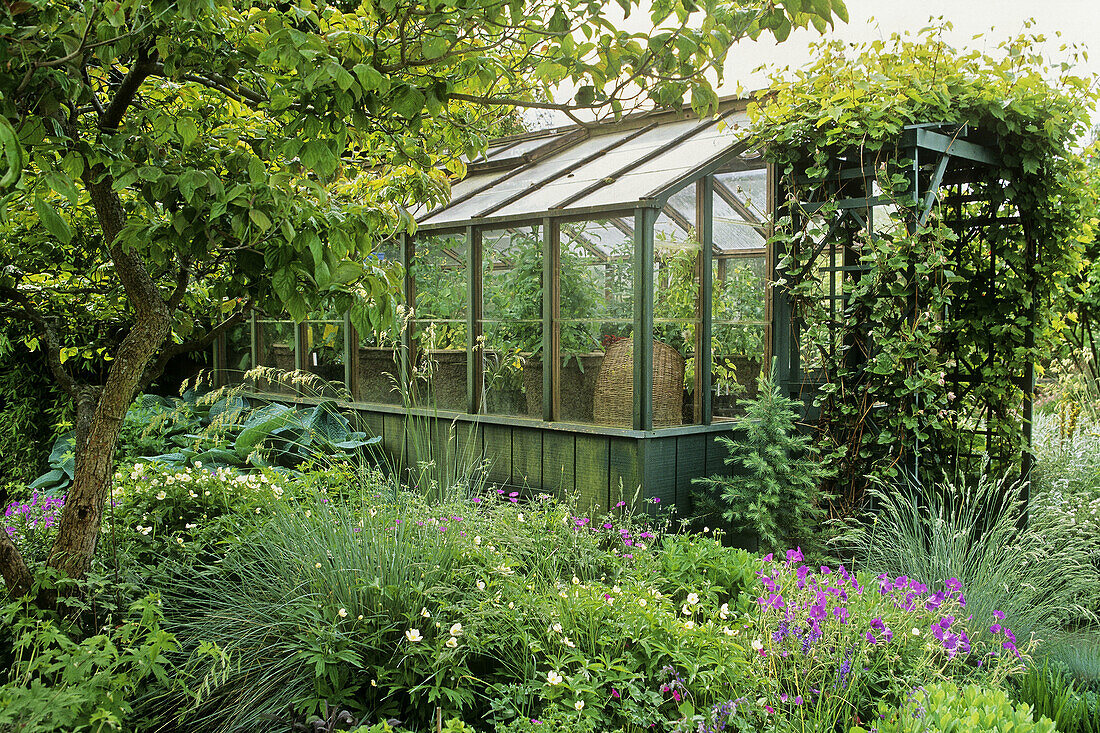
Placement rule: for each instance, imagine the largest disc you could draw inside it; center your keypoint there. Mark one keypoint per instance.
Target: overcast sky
(1078, 22)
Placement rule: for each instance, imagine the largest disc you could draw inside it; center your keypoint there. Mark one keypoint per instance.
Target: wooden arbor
(906, 316)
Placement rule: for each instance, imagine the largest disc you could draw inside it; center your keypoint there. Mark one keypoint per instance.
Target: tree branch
(156, 368)
(13, 567)
(127, 90)
(180, 290)
(566, 109)
(46, 332)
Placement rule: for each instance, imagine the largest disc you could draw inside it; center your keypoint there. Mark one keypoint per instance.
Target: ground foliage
(923, 301)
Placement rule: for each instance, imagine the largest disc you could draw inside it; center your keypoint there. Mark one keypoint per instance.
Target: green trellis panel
(625, 468)
(527, 457)
(690, 463)
(660, 470)
(558, 467)
(498, 452)
(590, 471)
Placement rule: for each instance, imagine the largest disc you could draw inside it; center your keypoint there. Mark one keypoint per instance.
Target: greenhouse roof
(644, 160)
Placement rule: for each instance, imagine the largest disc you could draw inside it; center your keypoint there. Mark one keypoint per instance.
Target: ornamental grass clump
(324, 601)
(980, 531)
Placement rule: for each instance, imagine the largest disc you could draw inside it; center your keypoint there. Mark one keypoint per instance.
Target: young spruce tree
(775, 490)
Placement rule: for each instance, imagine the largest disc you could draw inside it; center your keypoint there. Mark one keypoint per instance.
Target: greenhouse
(559, 316)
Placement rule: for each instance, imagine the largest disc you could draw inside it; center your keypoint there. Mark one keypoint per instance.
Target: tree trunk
(17, 576)
(99, 419)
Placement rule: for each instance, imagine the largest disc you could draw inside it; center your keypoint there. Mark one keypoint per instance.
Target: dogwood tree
(164, 161)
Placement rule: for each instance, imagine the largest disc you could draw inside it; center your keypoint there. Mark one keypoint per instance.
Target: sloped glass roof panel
(614, 166)
(617, 158)
(509, 185)
(651, 176)
(525, 146)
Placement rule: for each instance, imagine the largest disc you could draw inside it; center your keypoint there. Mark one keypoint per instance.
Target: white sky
(1062, 22)
(1078, 22)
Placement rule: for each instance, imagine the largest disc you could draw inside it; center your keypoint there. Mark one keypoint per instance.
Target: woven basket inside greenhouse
(613, 403)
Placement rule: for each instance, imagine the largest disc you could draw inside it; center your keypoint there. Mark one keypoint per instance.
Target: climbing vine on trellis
(928, 203)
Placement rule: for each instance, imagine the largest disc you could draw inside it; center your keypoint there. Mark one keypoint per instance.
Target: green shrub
(492, 610)
(33, 524)
(161, 515)
(775, 490)
(31, 410)
(946, 707)
(1065, 486)
(553, 721)
(62, 682)
(688, 563)
(823, 646)
(220, 429)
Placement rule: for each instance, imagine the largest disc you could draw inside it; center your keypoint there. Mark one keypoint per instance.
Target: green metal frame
(644, 220)
(644, 216)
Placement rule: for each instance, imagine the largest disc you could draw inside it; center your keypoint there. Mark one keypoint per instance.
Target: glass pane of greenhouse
(738, 331)
(439, 322)
(324, 353)
(738, 315)
(378, 362)
(596, 324)
(511, 324)
(238, 351)
(275, 350)
(677, 321)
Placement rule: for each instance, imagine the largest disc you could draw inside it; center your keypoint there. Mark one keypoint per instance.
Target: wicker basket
(613, 403)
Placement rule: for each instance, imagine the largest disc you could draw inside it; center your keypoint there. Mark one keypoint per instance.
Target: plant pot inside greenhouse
(378, 376)
(578, 387)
